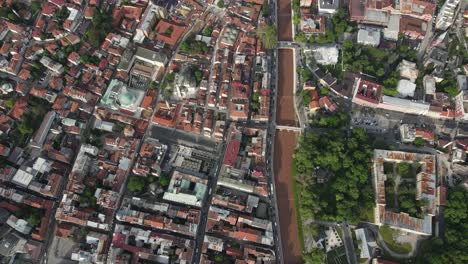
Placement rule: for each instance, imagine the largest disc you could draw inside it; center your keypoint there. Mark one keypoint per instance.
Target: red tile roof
(232, 150)
(18, 109)
(165, 26)
(369, 91)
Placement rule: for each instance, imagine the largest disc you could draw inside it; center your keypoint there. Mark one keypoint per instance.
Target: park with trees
(347, 192)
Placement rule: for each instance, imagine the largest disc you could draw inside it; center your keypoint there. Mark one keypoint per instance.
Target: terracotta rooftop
(169, 32)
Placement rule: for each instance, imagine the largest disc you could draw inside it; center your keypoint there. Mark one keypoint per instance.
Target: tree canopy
(136, 184)
(347, 159)
(452, 247)
(101, 24)
(192, 46)
(316, 256)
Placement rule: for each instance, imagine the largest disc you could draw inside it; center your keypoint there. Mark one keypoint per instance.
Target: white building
(328, 6)
(406, 88)
(19, 225)
(104, 125)
(447, 14)
(151, 57)
(369, 36)
(6, 88)
(367, 243)
(54, 67)
(119, 96)
(407, 133)
(146, 23)
(393, 28)
(429, 85)
(408, 70)
(186, 189)
(325, 55)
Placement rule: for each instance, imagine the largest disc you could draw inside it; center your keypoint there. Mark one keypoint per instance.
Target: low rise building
(186, 189)
(446, 15)
(328, 6)
(369, 36)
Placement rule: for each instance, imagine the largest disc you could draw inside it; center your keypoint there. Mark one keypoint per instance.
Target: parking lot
(370, 121)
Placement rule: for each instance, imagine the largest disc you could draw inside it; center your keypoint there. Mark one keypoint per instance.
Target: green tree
(192, 46)
(136, 184)
(61, 14)
(268, 34)
(30, 214)
(451, 248)
(34, 219)
(346, 159)
(208, 31)
(164, 179)
(101, 24)
(87, 59)
(265, 9)
(219, 258)
(324, 91)
(306, 98)
(198, 76)
(12, 17)
(380, 72)
(306, 75)
(316, 256)
(296, 19)
(10, 102)
(300, 37)
(35, 7)
(170, 77)
(419, 142)
(220, 4)
(167, 93)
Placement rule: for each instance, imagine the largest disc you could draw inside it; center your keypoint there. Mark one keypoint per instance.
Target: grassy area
(409, 170)
(296, 192)
(387, 234)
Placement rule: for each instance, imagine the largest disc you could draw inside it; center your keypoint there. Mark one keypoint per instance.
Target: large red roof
(231, 152)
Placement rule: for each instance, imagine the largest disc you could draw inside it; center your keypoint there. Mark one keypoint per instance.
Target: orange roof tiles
(18, 109)
(169, 32)
(24, 74)
(166, 116)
